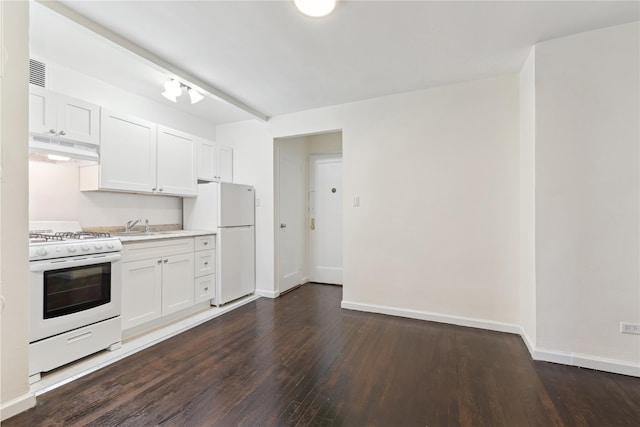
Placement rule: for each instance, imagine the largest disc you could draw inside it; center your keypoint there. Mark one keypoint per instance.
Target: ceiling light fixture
(173, 89)
(315, 8)
(58, 158)
(195, 96)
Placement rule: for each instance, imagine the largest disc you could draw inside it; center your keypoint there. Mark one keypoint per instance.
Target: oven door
(69, 293)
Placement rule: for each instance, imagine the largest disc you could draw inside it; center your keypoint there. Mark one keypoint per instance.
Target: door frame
(276, 205)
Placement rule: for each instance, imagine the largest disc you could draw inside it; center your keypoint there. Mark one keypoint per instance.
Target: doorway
(308, 210)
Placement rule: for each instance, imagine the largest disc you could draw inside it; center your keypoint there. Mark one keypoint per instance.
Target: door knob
(313, 224)
(283, 225)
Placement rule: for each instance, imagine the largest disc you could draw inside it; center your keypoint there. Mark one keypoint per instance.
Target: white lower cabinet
(157, 279)
(141, 292)
(177, 275)
(205, 288)
(205, 268)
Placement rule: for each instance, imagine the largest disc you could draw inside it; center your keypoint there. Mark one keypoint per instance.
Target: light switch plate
(356, 201)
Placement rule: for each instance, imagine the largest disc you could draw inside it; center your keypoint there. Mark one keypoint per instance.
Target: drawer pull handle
(206, 243)
(206, 263)
(206, 289)
(80, 337)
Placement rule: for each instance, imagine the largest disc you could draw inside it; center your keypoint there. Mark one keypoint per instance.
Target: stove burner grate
(82, 235)
(44, 237)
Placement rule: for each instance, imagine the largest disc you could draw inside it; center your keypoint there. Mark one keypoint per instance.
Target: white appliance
(75, 294)
(229, 210)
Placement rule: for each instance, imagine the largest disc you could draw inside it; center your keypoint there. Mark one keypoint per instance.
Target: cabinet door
(177, 163)
(141, 292)
(127, 153)
(78, 120)
(177, 283)
(225, 163)
(42, 111)
(207, 161)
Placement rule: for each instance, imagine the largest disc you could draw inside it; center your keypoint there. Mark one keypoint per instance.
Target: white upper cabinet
(207, 160)
(58, 116)
(127, 155)
(177, 168)
(141, 157)
(215, 163)
(225, 163)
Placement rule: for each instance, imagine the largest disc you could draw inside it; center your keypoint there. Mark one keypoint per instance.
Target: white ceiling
(272, 58)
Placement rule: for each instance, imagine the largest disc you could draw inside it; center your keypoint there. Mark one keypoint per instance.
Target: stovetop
(47, 241)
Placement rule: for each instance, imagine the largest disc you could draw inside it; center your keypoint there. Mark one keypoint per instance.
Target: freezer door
(237, 205)
(236, 269)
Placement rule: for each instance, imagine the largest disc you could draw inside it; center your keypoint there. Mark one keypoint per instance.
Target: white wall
(527, 199)
(587, 183)
(437, 175)
(54, 195)
(14, 389)
(325, 143)
(54, 189)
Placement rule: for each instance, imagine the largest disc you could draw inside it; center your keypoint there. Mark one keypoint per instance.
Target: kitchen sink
(146, 233)
(134, 233)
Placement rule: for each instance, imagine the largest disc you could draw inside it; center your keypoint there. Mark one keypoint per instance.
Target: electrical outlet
(356, 201)
(630, 328)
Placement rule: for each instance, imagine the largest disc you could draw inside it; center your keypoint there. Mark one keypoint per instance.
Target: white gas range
(75, 292)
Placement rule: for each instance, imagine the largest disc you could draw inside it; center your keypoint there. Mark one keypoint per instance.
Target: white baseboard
(531, 346)
(267, 294)
(546, 355)
(434, 317)
(17, 405)
(587, 361)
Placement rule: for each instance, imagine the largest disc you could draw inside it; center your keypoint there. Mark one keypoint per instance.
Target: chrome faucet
(130, 224)
(146, 225)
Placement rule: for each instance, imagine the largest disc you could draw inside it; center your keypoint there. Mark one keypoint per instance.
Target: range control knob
(41, 251)
(84, 247)
(71, 249)
(98, 246)
(109, 245)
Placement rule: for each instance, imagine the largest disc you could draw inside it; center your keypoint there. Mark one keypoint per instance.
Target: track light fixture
(173, 89)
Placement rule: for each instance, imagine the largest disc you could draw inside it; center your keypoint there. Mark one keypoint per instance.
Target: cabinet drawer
(205, 288)
(136, 251)
(205, 242)
(205, 263)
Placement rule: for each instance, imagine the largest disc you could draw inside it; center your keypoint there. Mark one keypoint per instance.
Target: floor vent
(37, 73)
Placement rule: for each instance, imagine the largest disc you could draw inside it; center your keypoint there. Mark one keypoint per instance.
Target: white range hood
(46, 149)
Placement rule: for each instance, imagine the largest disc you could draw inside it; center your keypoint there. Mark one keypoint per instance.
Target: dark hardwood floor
(301, 360)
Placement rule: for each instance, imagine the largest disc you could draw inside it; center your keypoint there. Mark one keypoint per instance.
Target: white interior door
(325, 235)
(291, 242)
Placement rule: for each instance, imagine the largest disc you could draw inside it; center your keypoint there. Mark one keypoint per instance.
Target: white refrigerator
(229, 210)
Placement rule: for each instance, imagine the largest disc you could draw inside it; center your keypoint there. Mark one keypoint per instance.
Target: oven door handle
(59, 263)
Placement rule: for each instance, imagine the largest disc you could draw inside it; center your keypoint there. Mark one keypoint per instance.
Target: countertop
(173, 234)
